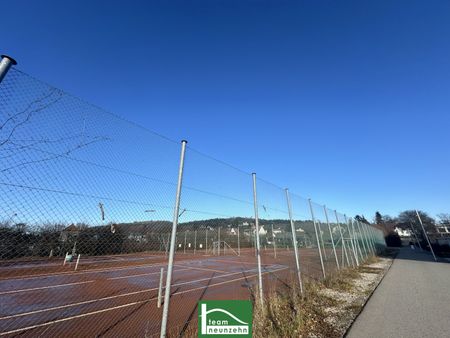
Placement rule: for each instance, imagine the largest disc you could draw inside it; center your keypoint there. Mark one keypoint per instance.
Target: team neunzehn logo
(219, 318)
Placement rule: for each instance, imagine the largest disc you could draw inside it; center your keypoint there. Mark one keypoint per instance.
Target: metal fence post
(368, 230)
(195, 242)
(294, 241)
(374, 240)
(352, 241)
(321, 239)
(350, 246)
(218, 243)
(368, 240)
(369, 234)
(331, 236)
(239, 243)
(317, 238)
(274, 246)
(344, 251)
(357, 241)
(167, 246)
(415, 236)
(206, 240)
(165, 313)
(358, 226)
(258, 248)
(426, 236)
(5, 64)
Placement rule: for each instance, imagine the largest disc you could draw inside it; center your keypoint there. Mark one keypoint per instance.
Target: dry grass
(322, 312)
(372, 260)
(290, 315)
(342, 281)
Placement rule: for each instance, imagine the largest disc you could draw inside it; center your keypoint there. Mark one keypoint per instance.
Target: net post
(161, 277)
(78, 261)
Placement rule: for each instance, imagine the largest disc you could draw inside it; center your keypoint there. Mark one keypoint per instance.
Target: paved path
(413, 300)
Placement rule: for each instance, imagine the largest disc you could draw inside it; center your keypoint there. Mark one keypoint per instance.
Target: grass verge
(327, 308)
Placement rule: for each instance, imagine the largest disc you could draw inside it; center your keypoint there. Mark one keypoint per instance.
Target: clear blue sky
(346, 102)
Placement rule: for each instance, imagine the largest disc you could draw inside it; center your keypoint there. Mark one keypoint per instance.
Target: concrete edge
(370, 296)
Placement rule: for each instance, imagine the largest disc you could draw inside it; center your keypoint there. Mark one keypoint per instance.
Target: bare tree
(411, 216)
(444, 218)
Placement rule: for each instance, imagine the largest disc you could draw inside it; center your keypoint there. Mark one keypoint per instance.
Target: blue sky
(344, 102)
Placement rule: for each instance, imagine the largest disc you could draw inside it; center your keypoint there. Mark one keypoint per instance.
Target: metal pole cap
(13, 62)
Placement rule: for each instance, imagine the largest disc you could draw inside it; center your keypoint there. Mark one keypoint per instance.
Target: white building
(277, 231)
(443, 230)
(403, 232)
(262, 231)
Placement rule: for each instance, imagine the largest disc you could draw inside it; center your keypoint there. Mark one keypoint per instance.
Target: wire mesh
(305, 228)
(87, 202)
(276, 238)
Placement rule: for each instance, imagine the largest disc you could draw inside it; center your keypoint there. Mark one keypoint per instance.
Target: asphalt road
(413, 300)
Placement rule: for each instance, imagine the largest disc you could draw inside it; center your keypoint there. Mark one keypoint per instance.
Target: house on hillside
(443, 229)
(262, 231)
(277, 231)
(137, 237)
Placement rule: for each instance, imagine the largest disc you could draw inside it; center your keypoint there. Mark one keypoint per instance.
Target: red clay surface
(116, 296)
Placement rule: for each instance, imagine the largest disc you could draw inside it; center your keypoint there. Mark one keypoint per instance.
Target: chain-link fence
(87, 213)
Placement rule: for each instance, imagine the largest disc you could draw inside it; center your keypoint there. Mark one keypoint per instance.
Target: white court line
(125, 305)
(204, 269)
(141, 274)
(44, 287)
(239, 262)
(76, 283)
(111, 278)
(56, 274)
(82, 272)
(117, 296)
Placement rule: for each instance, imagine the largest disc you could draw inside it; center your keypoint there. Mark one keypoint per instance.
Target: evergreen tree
(378, 218)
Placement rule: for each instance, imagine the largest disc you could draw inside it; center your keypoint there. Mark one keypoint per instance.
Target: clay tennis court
(113, 296)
